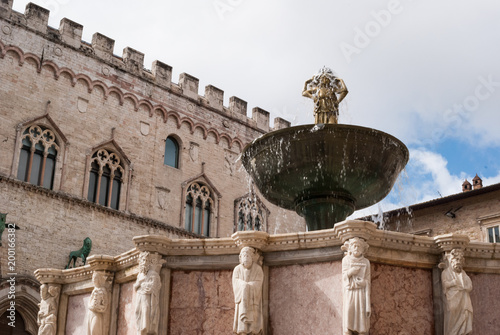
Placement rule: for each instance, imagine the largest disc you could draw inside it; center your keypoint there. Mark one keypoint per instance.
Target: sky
(424, 71)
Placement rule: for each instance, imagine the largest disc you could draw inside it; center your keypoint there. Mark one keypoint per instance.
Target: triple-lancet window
(106, 178)
(198, 210)
(37, 159)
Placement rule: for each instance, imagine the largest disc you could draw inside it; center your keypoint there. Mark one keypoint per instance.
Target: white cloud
(431, 180)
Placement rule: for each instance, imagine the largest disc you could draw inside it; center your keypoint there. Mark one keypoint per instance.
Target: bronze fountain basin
(325, 172)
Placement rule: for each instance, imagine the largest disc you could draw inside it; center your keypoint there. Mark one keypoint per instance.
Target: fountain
(325, 171)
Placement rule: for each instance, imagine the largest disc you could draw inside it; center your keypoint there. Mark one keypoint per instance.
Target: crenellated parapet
(69, 34)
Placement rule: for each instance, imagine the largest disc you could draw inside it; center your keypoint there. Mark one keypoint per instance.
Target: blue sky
(424, 71)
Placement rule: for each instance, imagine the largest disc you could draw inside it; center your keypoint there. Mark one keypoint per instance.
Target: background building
(475, 212)
(95, 145)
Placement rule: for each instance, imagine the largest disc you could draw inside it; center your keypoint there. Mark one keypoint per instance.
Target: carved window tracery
(37, 159)
(251, 214)
(106, 178)
(198, 209)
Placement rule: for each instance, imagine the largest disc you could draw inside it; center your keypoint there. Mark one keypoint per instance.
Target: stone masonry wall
(92, 98)
(46, 238)
(465, 221)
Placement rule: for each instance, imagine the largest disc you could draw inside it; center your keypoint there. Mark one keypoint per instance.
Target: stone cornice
(57, 276)
(167, 246)
(386, 247)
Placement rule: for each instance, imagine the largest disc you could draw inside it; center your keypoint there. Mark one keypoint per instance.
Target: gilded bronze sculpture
(323, 88)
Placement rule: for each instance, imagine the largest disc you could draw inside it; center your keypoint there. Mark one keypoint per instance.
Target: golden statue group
(327, 92)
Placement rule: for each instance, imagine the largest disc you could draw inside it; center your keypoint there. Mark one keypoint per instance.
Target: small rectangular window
(48, 176)
(36, 166)
(23, 164)
(92, 186)
(103, 192)
(189, 216)
(494, 234)
(115, 194)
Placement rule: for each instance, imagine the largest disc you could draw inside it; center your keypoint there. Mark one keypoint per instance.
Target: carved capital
(355, 228)
(49, 276)
(101, 263)
(254, 239)
(449, 242)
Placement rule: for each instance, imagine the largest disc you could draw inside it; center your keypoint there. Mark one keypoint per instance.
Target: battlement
(36, 18)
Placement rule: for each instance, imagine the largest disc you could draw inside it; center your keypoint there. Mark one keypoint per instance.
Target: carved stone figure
(247, 287)
(323, 89)
(82, 253)
(456, 287)
(147, 286)
(356, 285)
(98, 304)
(47, 316)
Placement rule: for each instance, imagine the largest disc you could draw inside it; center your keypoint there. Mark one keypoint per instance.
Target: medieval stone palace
(95, 145)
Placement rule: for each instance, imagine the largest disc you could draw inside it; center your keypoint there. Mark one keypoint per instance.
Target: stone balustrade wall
(302, 287)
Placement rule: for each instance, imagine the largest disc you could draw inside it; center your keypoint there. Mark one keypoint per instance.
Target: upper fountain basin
(305, 162)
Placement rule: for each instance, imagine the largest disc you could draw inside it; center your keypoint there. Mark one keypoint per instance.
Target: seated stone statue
(456, 288)
(247, 287)
(356, 288)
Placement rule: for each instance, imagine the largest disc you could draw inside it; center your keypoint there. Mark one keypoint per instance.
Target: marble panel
(306, 299)
(76, 321)
(401, 301)
(126, 310)
(485, 297)
(202, 303)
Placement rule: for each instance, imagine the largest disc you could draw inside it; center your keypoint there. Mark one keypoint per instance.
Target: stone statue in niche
(98, 304)
(147, 287)
(356, 288)
(47, 316)
(247, 287)
(456, 288)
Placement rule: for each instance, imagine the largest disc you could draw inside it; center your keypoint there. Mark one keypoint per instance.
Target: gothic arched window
(251, 214)
(199, 205)
(106, 178)
(37, 159)
(171, 152)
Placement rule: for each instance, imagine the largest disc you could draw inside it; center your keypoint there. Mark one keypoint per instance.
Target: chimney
(477, 182)
(466, 186)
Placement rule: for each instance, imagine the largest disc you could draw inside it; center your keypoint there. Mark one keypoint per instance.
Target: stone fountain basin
(333, 161)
